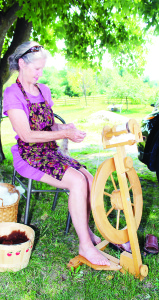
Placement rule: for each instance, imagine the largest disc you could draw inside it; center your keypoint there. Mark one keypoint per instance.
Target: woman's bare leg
(95, 239)
(77, 184)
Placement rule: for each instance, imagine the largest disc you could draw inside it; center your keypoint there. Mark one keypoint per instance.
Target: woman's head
(29, 51)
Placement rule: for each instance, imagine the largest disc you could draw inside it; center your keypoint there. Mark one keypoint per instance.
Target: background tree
(88, 28)
(82, 81)
(67, 88)
(126, 88)
(52, 78)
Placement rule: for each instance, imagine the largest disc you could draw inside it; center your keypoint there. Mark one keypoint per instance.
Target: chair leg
(55, 199)
(28, 201)
(68, 223)
(13, 177)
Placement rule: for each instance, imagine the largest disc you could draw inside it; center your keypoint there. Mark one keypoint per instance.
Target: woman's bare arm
(21, 125)
(58, 126)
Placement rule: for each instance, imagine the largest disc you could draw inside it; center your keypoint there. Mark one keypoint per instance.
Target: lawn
(83, 117)
(47, 275)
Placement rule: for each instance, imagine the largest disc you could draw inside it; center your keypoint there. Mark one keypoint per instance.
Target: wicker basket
(9, 213)
(15, 257)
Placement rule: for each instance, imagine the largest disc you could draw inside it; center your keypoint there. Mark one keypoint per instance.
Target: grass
(79, 113)
(47, 275)
(81, 116)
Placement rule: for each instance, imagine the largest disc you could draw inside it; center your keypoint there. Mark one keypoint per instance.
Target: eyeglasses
(32, 49)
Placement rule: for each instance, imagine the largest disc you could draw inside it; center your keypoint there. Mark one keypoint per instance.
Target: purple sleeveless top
(32, 160)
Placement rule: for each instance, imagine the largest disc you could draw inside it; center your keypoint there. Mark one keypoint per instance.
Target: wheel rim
(106, 200)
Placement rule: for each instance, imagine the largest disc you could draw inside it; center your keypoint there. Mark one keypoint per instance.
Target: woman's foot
(93, 255)
(94, 238)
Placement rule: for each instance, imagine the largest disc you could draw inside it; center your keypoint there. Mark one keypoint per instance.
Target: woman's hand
(21, 125)
(58, 126)
(70, 125)
(71, 132)
(75, 135)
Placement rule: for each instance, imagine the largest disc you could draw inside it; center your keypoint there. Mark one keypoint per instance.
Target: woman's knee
(89, 176)
(72, 179)
(75, 180)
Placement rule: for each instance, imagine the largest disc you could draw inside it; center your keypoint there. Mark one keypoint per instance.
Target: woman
(36, 154)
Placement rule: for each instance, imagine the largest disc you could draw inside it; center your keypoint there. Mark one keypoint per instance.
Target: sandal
(122, 247)
(151, 245)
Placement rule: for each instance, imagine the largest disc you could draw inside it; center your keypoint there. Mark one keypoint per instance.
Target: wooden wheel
(106, 202)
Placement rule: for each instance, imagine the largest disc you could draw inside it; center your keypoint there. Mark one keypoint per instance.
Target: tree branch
(22, 34)
(6, 20)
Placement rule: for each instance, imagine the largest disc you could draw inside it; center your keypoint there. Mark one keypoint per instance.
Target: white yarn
(20, 189)
(64, 147)
(6, 197)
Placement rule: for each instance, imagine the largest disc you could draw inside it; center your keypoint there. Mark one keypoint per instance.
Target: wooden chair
(29, 190)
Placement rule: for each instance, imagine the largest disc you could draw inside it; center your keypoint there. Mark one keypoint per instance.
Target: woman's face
(32, 71)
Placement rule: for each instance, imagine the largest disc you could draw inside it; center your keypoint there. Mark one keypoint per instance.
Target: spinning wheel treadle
(106, 194)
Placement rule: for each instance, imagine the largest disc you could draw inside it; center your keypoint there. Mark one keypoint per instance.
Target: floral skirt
(47, 158)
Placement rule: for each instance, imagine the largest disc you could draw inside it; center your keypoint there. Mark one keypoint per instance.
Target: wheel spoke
(130, 187)
(110, 210)
(107, 194)
(118, 217)
(107, 207)
(112, 179)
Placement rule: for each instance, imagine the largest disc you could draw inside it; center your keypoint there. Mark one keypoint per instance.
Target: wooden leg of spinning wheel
(131, 226)
(135, 262)
(127, 263)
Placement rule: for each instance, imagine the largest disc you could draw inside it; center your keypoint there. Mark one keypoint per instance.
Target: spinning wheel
(116, 201)
(107, 201)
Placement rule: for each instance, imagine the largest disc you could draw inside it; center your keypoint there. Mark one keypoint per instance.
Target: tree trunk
(2, 156)
(85, 96)
(22, 34)
(84, 90)
(126, 102)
